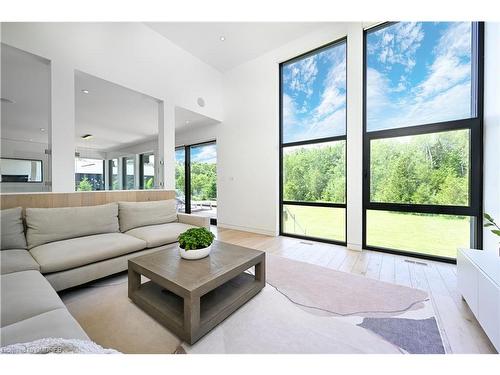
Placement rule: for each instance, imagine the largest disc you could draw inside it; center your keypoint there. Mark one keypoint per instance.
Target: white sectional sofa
(65, 247)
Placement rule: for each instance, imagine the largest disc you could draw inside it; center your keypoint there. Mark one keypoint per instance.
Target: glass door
(196, 174)
(203, 179)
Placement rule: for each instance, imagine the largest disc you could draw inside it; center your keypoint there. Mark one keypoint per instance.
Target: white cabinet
(479, 283)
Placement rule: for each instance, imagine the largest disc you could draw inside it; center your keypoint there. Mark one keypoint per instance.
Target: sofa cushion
(54, 224)
(12, 229)
(16, 260)
(76, 252)
(140, 214)
(56, 323)
(24, 295)
(158, 235)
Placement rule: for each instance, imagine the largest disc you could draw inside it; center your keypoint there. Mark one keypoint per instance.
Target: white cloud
(302, 74)
(443, 95)
(327, 118)
(398, 44)
(451, 65)
(208, 154)
(289, 111)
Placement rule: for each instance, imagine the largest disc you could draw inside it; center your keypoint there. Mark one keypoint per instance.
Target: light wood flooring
(460, 330)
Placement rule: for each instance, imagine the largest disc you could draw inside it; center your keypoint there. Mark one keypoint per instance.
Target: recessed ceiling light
(87, 136)
(42, 129)
(187, 122)
(7, 101)
(85, 91)
(222, 38)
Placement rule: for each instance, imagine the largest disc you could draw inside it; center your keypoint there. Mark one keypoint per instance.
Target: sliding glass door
(422, 138)
(313, 145)
(196, 179)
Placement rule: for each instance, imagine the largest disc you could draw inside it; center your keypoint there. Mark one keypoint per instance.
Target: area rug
(303, 309)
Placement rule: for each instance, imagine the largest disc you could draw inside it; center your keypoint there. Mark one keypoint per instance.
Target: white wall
(247, 140)
(492, 130)
(129, 54)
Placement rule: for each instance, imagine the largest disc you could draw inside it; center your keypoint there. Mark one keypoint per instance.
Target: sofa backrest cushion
(12, 229)
(54, 224)
(140, 214)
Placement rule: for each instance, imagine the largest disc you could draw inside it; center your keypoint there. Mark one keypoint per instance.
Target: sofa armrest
(196, 220)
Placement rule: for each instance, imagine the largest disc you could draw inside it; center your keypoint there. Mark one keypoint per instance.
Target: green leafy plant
(491, 223)
(196, 238)
(84, 185)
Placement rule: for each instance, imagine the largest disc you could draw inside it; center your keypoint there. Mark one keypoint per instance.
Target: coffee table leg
(191, 317)
(260, 271)
(134, 281)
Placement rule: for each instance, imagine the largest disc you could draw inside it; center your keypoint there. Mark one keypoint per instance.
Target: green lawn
(321, 222)
(434, 235)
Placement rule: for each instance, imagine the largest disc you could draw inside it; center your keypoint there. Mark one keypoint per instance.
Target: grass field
(321, 222)
(438, 235)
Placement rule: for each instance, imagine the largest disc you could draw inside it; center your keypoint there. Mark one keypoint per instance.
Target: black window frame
(187, 175)
(475, 127)
(282, 145)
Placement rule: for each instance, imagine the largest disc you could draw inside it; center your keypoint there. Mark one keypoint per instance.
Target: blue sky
(200, 154)
(418, 73)
(314, 99)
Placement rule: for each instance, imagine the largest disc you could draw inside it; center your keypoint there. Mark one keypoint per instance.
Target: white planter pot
(195, 254)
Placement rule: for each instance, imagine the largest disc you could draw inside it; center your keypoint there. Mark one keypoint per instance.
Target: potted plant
(195, 243)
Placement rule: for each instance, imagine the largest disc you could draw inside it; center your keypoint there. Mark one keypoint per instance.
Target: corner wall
(491, 165)
(247, 140)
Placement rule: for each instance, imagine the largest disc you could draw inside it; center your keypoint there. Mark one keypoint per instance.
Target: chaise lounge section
(70, 246)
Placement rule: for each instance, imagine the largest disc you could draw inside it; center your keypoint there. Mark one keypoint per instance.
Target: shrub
(196, 238)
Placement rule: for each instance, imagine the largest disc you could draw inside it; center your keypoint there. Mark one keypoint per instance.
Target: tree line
(203, 180)
(423, 169)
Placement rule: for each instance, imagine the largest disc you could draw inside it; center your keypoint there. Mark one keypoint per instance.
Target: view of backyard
(428, 234)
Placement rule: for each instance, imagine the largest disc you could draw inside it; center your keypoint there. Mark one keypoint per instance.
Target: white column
(491, 130)
(166, 145)
(62, 131)
(355, 136)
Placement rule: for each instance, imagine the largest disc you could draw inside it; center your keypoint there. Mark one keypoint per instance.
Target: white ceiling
(26, 81)
(116, 116)
(243, 42)
(187, 120)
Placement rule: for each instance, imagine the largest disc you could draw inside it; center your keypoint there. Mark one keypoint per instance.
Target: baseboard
(247, 229)
(355, 247)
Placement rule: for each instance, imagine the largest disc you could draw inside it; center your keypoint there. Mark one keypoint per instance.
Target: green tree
(84, 185)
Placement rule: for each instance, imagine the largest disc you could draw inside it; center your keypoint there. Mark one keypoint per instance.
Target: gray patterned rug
(311, 309)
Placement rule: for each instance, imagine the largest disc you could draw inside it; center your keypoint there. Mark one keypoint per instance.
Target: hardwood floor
(460, 330)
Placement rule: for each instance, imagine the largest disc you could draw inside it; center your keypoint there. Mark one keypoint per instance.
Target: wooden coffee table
(190, 297)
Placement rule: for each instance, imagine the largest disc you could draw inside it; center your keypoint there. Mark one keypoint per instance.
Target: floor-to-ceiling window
(196, 179)
(422, 137)
(313, 144)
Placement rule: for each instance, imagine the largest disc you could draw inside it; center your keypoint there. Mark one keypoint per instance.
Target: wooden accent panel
(79, 199)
